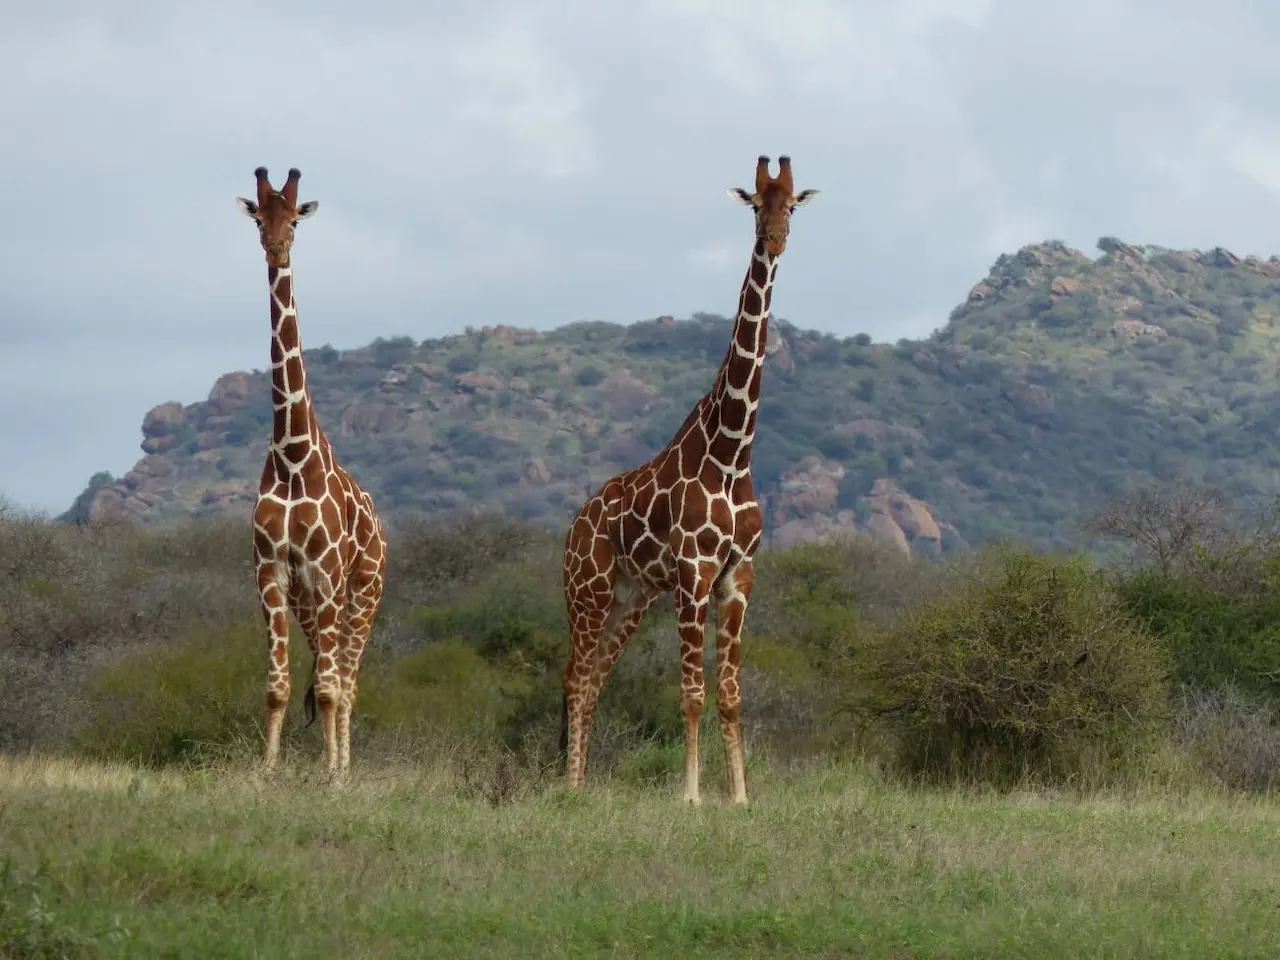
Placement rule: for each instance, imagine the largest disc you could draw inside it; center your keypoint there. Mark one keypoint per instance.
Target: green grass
(108, 861)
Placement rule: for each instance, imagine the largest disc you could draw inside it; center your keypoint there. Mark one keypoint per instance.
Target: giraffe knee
(327, 695)
(692, 704)
(277, 698)
(730, 709)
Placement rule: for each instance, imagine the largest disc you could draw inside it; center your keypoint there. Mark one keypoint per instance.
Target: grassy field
(102, 861)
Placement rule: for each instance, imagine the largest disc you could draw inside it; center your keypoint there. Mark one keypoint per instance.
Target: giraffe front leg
(733, 592)
(691, 613)
(276, 613)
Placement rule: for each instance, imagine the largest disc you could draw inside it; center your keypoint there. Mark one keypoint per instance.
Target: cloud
(546, 161)
(512, 84)
(714, 256)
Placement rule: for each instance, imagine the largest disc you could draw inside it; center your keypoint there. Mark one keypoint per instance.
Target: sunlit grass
(471, 858)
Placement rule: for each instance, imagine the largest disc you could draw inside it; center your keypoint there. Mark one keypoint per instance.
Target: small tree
(1028, 666)
(1166, 525)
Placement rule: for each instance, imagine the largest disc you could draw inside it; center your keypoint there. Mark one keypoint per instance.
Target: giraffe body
(686, 522)
(318, 542)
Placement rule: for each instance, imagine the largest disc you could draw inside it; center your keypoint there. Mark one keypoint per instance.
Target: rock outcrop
(901, 519)
(162, 427)
(806, 509)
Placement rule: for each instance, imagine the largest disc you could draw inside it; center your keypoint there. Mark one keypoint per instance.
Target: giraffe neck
(731, 423)
(293, 426)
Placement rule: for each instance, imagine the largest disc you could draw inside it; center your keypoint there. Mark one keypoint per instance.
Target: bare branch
(1168, 525)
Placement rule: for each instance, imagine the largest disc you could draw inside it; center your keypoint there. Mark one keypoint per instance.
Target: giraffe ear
(306, 209)
(742, 196)
(247, 207)
(803, 197)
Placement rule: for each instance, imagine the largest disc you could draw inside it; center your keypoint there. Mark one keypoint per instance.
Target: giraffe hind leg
(325, 637)
(629, 605)
(692, 599)
(589, 582)
(733, 592)
(587, 626)
(364, 598)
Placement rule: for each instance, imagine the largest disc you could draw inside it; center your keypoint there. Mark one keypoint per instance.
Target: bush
(204, 695)
(432, 557)
(1233, 739)
(589, 375)
(1028, 669)
(443, 687)
(1216, 639)
(75, 597)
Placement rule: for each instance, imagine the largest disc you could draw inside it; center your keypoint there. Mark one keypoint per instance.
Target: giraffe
(319, 545)
(685, 522)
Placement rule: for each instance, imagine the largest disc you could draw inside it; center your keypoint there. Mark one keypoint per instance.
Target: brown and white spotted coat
(685, 522)
(318, 542)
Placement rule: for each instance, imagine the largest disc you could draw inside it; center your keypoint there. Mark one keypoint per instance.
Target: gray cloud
(542, 162)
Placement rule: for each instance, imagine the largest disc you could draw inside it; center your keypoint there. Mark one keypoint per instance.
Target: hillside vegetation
(1060, 381)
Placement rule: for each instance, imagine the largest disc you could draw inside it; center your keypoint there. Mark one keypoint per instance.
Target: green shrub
(443, 687)
(206, 693)
(1217, 640)
(652, 763)
(806, 597)
(589, 375)
(1030, 668)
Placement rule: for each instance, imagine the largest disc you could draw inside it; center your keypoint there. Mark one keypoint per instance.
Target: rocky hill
(1061, 379)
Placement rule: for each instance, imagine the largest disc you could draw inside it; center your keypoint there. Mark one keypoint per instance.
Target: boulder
(232, 391)
(625, 393)
(981, 291)
(1028, 395)
(536, 472)
(1133, 329)
(912, 518)
(1064, 286)
(811, 487)
(162, 427)
(815, 529)
(778, 349)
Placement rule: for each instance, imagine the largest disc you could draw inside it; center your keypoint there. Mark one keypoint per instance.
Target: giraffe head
(773, 201)
(277, 212)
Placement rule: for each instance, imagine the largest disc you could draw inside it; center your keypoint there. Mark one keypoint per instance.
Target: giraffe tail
(309, 704)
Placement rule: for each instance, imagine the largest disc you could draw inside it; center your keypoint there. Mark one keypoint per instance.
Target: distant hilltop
(1058, 381)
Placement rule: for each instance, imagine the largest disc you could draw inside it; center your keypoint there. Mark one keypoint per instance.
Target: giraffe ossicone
(685, 522)
(319, 546)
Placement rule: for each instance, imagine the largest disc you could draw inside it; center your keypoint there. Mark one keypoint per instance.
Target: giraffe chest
(688, 523)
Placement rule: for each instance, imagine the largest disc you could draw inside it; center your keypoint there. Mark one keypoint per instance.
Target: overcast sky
(537, 163)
